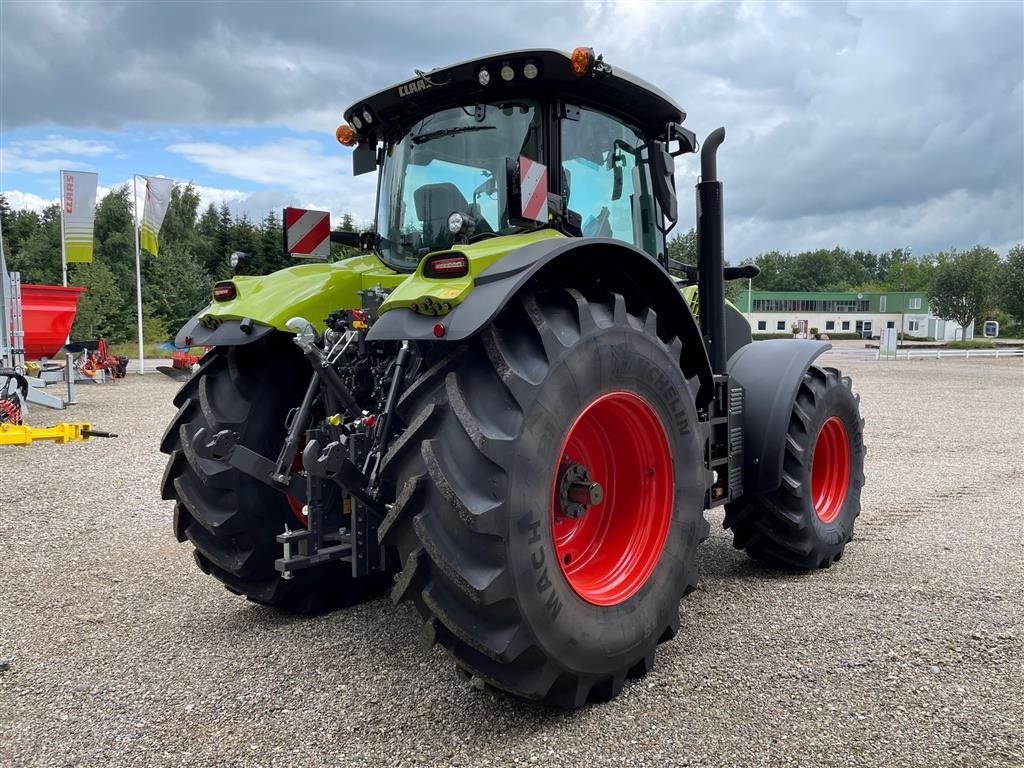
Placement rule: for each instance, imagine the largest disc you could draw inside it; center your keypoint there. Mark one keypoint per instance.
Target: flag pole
(63, 255)
(69, 360)
(138, 272)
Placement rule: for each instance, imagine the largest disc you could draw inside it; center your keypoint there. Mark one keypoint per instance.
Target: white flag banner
(158, 197)
(78, 209)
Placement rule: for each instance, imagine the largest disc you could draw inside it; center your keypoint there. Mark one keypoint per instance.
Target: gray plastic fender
(228, 334)
(770, 373)
(634, 271)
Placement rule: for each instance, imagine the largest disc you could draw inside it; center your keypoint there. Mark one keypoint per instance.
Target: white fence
(933, 353)
(939, 353)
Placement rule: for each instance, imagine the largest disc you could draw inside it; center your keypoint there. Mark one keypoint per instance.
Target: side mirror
(687, 139)
(526, 188)
(663, 173)
(364, 158)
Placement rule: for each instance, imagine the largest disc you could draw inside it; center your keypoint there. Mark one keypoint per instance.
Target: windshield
(452, 161)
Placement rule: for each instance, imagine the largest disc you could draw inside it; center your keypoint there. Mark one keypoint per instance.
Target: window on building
(846, 325)
(890, 324)
(881, 304)
(781, 325)
(830, 325)
(913, 325)
(762, 325)
(915, 303)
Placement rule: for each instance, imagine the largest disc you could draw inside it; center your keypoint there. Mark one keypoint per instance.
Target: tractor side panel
(609, 264)
(770, 373)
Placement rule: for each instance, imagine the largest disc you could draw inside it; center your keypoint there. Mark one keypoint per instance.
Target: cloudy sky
(868, 125)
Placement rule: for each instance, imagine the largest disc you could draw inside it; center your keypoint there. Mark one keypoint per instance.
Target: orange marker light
(345, 135)
(582, 60)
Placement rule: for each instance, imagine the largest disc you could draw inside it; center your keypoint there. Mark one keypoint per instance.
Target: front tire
(509, 584)
(807, 521)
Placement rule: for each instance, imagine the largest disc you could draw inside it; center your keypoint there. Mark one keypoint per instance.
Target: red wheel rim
(607, 553)
(830, 469)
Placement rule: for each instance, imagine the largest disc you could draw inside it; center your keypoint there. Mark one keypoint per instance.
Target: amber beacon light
(582, 61)
(345, 135)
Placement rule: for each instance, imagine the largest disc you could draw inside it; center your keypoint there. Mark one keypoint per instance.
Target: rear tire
(807, 522)
(476, 475)
(230, 518)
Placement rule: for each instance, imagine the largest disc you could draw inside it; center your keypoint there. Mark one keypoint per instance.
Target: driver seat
(434, 203)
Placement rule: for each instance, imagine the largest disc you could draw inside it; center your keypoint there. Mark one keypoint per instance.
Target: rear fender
(204, 330)
(267, 302)
(770, 373)
(590, 264)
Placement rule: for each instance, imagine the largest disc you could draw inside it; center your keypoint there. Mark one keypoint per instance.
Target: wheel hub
(577, 492)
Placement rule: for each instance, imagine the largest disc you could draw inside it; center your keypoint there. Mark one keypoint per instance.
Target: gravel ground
(116, 650)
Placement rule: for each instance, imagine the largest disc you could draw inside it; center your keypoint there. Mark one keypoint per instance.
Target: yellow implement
(21, 434)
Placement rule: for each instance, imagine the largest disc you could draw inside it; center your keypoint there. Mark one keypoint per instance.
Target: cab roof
(614, 90)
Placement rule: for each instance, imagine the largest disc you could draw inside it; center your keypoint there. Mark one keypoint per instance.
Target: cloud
(299, 173)
(844, 119)
(26, 201)
(50, 154)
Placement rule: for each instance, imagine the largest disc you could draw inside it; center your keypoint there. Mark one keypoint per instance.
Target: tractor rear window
(606, 179)
(452, 161)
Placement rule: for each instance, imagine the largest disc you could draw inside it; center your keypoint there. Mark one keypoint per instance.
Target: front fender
(607, 264)
(770, 373)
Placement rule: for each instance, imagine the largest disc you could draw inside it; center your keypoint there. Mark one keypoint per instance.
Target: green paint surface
(313, 291)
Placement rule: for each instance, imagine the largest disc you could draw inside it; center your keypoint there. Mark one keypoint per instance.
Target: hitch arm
(224, 447)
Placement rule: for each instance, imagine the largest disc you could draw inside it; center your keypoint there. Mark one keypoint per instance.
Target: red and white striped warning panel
(533, 185)
(307, 233)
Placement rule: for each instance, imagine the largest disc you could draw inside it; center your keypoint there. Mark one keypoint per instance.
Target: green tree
(100, 305)
(176, 286)
(683, 248)
(270, 253)
(338, 251)
(963, 286)
(1011, 282)
(179, 225)
(206, 249)
(35, 252)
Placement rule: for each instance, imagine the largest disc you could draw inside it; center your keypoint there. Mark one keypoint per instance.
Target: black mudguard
(229, 333)
(770, 373)
(611, 264)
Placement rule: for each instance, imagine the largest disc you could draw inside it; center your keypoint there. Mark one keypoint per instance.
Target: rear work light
(225, 291)
(447, 266)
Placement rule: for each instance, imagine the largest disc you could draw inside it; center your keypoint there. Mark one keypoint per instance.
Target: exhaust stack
(711, 252)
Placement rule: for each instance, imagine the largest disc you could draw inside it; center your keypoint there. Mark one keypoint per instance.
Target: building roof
(895, 301)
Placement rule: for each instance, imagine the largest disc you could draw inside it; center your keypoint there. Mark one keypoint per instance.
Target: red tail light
(225, 291)
(446, 265)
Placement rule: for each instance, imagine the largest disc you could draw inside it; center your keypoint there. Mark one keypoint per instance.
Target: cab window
(606, 179)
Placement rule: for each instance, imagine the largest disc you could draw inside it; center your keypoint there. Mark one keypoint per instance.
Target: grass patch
(131, 349)
(970, 344)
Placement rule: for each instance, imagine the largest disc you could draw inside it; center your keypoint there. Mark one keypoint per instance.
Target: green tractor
(507, 409)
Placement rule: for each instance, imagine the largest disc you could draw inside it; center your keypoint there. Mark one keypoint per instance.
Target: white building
(864, 314)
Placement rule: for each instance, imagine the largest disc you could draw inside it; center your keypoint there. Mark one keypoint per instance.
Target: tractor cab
(516, 142)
